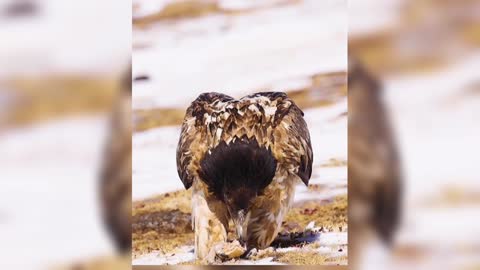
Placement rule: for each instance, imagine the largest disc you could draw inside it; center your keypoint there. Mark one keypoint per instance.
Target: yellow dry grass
(162, 224)
(325, 89)
(37, 99)
(120, 262)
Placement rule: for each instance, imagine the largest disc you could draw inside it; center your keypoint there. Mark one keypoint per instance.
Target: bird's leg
(208, 224)
(266, 219)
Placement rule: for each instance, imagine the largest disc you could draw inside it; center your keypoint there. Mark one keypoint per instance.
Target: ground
(163, 225)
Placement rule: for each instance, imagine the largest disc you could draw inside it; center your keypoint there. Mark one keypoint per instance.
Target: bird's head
(239, 203)
(237, 174)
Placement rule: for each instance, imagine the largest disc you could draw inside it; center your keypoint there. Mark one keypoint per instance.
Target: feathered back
(375, 181)
(270, 118)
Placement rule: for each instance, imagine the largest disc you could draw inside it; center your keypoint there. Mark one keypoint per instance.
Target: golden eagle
(243, 159)
(374, 175)
(116, 171)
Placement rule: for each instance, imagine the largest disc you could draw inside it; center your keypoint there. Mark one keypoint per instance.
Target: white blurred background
(59, 65)
(426, 53)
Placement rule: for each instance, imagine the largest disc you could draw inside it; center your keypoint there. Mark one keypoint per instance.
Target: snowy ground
(49, 205)
(436, 118)
(237, 54)
(328, 242)
(68, 37)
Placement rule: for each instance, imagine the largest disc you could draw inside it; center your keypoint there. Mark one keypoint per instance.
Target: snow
(435, 129)
(436, 123)
(329, 242)
(49, 193)
(67, 36)
(154, 162)
(372, 16)
(256, 50)
(184, 254)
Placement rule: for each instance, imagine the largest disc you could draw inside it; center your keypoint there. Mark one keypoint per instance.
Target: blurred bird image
(374, 178)
(243, 159)
(116, 172)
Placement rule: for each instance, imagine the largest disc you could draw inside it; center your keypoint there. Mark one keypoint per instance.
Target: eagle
(242, 158)
(374, 173)
(115, 185)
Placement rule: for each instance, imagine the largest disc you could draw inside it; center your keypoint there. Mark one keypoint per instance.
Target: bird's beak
(241, 225)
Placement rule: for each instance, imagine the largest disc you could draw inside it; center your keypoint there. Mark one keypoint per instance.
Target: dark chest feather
(240, 165)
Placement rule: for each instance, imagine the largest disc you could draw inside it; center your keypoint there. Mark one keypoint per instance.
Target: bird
(115, 179)
(374, 169)
(242, 158)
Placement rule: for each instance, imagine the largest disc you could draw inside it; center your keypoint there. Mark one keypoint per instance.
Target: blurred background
(426, 55)
(60, 62)
(183, 48)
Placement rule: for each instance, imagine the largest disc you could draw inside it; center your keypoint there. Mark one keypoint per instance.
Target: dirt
(162, 223)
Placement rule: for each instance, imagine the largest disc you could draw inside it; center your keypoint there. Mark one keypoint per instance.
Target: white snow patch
(231, 59)
(183, 254)
(49, 193)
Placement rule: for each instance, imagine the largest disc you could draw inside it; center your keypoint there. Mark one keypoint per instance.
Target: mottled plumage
(242, 158)
(374, 179)
(116, 171)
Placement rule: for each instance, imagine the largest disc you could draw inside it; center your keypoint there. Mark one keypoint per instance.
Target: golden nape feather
(243, 159)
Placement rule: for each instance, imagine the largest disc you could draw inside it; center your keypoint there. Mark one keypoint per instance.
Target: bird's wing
(291, 139)
(191, 143)
(374, 167)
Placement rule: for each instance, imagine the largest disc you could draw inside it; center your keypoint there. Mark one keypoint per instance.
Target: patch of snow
(333, 238)
(431, 131)
(183, 254)
(148, 7)
(64, 33)
(238, 54)
(373, 16)
(154, 162)
(49, 193)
